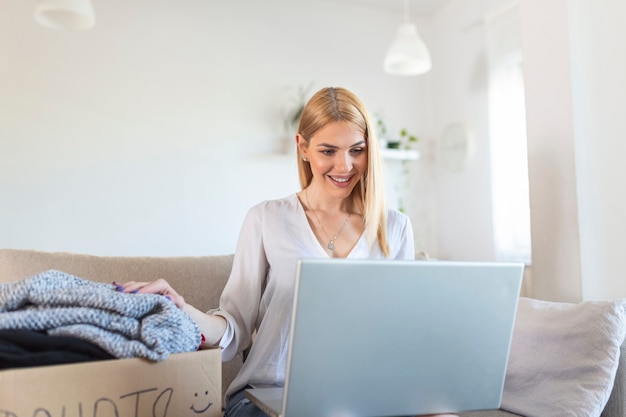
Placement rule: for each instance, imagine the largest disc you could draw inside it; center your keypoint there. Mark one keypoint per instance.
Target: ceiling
(419, 7)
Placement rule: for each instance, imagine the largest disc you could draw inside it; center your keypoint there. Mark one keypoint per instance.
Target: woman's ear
(302, 144)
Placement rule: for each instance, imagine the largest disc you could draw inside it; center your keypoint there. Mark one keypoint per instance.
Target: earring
(304, 158)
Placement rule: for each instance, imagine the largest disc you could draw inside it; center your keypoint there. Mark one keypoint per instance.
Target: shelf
(403, 154)
(385, 153)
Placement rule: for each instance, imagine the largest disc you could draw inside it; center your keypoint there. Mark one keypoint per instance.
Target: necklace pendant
(331, 245)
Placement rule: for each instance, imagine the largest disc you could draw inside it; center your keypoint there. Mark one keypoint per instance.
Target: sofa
(201, 279)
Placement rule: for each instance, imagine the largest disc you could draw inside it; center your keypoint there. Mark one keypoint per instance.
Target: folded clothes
(124, 325)
(26, 348)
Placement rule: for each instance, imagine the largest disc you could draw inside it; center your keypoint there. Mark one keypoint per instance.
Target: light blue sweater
(125, 325)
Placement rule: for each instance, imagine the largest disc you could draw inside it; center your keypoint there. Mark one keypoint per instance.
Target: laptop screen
(382, 338)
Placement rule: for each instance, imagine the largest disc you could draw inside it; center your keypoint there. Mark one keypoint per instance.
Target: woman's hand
(160, 286)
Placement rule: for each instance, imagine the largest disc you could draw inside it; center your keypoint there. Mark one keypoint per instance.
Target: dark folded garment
(27, 348)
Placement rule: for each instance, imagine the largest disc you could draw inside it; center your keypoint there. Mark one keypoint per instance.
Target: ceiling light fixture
(408, 54)
(65, 14)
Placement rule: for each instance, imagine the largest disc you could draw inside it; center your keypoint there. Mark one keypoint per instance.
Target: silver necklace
(331, 244)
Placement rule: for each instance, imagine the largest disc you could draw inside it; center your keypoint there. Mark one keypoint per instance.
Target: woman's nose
(344, 164)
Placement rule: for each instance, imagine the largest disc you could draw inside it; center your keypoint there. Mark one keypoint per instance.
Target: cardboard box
(184, 385)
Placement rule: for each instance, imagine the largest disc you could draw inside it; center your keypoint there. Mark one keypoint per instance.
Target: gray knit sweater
(125, 325)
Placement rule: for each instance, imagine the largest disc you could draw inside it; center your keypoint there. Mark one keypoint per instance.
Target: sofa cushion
(564, 357)
(616, 406)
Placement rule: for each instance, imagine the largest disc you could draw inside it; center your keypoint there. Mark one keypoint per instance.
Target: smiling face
(337, 154)
(205, 404)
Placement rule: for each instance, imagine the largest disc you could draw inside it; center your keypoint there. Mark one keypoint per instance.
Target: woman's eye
(357, 150)
(328, 152)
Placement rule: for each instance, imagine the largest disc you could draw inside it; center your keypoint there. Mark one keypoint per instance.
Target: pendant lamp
(65, 14)
(408, 54)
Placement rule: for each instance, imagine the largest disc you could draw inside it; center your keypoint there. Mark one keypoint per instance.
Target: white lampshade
(65, 14)
(408, 54)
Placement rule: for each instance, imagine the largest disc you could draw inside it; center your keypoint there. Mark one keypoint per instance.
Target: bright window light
(509, 158)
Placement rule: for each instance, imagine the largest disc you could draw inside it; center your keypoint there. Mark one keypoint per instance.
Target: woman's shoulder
(279, 205)
(396, 218)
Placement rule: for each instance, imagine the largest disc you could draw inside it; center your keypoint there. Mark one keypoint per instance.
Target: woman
(340, 212)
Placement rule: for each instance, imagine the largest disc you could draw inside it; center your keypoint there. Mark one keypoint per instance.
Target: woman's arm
(400, 235)
(212, 327)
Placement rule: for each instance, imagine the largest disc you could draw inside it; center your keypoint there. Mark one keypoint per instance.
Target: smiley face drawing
(204, 399)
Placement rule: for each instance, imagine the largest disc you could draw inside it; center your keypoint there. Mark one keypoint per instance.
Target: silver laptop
(395, 338)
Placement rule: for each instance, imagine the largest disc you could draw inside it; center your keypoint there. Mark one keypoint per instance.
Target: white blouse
(259, 291)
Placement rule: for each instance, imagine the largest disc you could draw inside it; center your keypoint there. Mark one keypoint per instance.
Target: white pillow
(563, 357)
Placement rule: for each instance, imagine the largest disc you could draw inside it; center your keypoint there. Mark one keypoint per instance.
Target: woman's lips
(341, 181)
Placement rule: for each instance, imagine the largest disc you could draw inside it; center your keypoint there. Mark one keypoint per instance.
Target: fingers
(160, 286)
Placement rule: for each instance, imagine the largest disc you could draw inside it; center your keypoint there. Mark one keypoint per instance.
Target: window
(507, 124)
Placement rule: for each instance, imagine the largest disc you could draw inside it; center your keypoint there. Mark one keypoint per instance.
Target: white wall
(153, 133)
(462, 199)
(575, 75)
(598, 62)
(575, 82)
(552, 168)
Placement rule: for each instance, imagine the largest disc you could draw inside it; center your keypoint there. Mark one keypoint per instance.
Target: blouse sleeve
(401, 241)
(239, 302)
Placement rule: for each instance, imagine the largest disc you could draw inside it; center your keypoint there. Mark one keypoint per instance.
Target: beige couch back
(199, 279)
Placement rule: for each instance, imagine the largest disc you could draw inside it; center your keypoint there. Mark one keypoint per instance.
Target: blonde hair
(336, 104)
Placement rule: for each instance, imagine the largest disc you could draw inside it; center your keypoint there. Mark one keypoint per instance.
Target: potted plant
(292, 117)
(407, 139)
